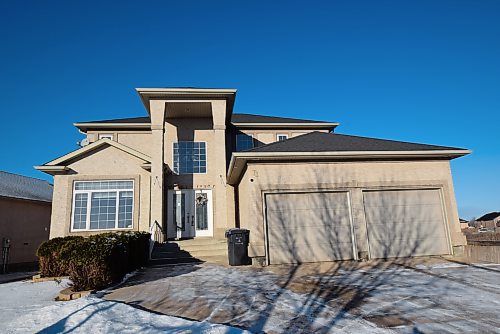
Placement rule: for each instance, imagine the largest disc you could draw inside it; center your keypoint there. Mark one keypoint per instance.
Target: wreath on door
(201, 199)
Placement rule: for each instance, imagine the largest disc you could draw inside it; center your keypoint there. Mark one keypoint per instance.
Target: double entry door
(190, 213)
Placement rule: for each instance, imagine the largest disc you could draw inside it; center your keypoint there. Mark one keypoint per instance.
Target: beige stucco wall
(201, 129)
(350, 176)
(26, 224)
(138, 140)
(108, 163)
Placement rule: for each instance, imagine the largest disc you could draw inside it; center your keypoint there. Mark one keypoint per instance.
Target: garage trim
(302, 191)
(416, 187)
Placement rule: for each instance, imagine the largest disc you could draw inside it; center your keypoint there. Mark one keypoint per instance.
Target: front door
(203, 210)
(189, 213)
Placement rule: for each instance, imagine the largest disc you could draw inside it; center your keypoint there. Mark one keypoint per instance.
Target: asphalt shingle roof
(23, 187)
(489, 216)
(249, 118)
(236, 118)
(332, 142)
(145, 119)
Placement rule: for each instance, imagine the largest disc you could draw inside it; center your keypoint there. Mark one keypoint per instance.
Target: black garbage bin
(237, 246)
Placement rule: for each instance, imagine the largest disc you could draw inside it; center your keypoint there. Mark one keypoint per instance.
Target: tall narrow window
(244, 142)
(103, 205)
(190, 157)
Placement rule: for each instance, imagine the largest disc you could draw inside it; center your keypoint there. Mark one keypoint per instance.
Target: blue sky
(422, 71)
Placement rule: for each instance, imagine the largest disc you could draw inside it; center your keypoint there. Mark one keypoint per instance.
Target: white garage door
(308, 227)
(403, 223)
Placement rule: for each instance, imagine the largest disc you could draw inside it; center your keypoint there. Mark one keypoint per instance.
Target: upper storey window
(244, 142)
(106, 135)
(190, 157)
(281, 137)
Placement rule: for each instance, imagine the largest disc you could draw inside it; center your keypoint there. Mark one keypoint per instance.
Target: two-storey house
(195, 169)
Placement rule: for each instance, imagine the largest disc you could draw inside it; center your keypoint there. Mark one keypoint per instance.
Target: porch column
(157, 109)
(219, 146)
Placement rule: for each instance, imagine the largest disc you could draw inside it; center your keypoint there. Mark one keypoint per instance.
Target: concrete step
(163, 255)
(199, 241)
(200, 248)
(209, 252)
(219, 259)
(164, 261)
(190, 251)
(167, 246)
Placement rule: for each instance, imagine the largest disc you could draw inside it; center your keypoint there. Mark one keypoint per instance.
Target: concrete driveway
(333, 297)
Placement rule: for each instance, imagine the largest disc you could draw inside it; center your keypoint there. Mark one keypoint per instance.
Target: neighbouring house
(25, 210)
(489, 220)
(307, 194)
(463, 223)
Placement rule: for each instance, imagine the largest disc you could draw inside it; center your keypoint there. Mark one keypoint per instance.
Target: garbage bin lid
(235, 230)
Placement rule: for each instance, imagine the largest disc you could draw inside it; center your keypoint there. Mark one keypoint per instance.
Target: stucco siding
(139, 141)
(350, 176)
(108, 163)
(201, 129)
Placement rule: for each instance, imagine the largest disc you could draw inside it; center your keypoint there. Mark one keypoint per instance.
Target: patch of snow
(456, 265)
(27, 307)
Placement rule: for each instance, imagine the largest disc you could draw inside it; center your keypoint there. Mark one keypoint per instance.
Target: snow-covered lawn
(27, 307)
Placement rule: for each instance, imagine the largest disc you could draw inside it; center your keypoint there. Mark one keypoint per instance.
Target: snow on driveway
(348, 298)
(27, 307)
(308, 299)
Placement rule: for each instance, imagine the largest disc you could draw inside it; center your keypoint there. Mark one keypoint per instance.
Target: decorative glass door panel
(189, 213)
(183, 214)
(204, 214)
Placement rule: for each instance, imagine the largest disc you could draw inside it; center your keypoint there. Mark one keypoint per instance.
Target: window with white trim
(103, 205)
(244, 142)
(281, 137)
(106, 135)
(190, 157)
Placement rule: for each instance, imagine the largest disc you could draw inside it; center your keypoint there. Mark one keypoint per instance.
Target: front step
(190, 251)
(175, 260)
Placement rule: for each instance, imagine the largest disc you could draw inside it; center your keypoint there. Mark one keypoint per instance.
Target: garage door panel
(401, 212)
(308, 201)
(393, 197)
(405, 223)
(308, 227)
(301, 253)
(403, 247)
(408, 228)
(293, 219)
(311, 235)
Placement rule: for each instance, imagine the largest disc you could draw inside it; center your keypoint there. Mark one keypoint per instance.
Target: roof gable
(94, 146)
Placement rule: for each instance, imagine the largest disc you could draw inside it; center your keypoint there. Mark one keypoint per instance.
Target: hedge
(94, 262)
